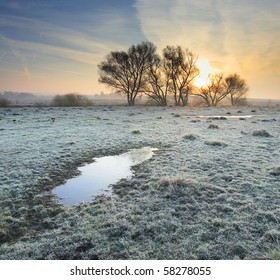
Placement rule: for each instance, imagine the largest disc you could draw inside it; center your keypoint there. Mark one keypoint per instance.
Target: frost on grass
(215, 143)
(275, 171)
(177, 180)
(274, 235)
(221, 205)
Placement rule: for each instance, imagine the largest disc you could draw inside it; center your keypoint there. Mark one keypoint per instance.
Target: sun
(205, 70)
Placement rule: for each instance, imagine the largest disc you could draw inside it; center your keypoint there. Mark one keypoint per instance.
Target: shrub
(71, 100)
(4, 102)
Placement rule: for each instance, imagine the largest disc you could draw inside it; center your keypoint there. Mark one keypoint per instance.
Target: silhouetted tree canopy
(141, 70)
(126, 71)
(158, 86)
(214, 91)
(219, 87)
(180, 68)
(236, 88)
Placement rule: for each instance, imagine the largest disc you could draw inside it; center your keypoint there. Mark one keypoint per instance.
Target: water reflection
(97, 176)
(231, 116)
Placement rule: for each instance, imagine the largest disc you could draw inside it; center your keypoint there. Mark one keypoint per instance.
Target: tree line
(141, 70)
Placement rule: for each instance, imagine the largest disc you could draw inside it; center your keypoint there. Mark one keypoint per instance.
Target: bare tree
(218, 87)
(236, 88)
(214, 91)
(158, 86)
(127, 71)
(180, 67)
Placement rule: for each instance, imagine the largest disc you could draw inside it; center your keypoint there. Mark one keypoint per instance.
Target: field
(210, 191)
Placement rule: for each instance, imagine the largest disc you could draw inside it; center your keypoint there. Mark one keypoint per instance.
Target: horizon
(50, 47)
(39, 95)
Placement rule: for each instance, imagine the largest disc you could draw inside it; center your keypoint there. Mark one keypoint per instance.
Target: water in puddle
(232, 116)
(97, 176)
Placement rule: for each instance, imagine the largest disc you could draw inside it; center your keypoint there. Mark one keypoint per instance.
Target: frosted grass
(224, 205)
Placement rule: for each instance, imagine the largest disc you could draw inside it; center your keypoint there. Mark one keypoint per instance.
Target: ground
(211, 190)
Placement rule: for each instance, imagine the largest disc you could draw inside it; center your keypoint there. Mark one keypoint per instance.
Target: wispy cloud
(52, 50)
(55, 35)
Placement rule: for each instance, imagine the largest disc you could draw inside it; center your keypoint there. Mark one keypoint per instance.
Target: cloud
(235, 35)
(51, 49)
(45, 38)
(54, 39)
(182, 22)
(52, 34)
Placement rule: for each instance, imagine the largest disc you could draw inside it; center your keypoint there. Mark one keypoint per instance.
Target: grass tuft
(213, 126)
(136, 132)
(261, 133)
(215, 143)
(273, 235)
(275, 171)
(190, 137)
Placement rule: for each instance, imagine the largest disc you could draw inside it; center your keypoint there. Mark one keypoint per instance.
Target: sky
(54, 46)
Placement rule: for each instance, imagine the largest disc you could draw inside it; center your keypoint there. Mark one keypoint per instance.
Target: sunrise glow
(205, 70)
(54, 47)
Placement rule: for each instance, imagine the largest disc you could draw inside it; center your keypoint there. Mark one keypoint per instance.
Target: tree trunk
(130, 100)
(177, 100)
(232, 100)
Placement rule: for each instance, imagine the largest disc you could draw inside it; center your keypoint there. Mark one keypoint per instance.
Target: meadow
(210, 191)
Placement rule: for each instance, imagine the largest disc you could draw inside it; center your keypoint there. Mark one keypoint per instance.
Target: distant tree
(71, 100)
(236, 88)
(126, 71)
(218, 87)
(180, 68)
(213, 91)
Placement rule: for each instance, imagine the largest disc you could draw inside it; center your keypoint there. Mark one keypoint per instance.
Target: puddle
(231, 116)
(96, 177)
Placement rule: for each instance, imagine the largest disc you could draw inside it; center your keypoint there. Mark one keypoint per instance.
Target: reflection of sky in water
(97, 176)
(233, 117)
